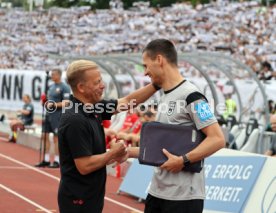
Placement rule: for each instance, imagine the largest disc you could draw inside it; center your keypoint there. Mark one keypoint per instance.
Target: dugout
(216, 74)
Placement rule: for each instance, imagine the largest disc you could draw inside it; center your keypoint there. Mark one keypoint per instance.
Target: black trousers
(71, 205)
(157, 205)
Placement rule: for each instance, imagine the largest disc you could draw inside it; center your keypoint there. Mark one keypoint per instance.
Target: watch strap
(186, 160)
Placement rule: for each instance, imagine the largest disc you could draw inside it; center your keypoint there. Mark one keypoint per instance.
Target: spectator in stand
(131, 123)
(33, 36)
(130, 120)
(25, 117)
(271, 107)
(266, 72)
(272, 149)
(58, 95)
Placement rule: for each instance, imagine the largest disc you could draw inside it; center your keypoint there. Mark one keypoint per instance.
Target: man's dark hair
(163, 47)
(57, 70)
(267, 65)
(149, 114)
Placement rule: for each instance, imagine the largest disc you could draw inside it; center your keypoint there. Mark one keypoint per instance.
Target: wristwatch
(186, 160)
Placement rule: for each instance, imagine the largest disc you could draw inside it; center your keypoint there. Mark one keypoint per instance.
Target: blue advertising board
(137, 180)
(229, 181)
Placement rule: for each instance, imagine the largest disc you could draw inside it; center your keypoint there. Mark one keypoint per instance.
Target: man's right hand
(118, 149)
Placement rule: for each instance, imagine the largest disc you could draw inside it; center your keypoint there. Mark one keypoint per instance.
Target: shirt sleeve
(66, 92)
(106, 108)
(79, 137)
(200, 111)
(29, 108)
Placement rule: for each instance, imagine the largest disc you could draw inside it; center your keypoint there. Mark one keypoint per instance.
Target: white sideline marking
(12, 167)
(4, 139)
(30, 167)
(24, 198)
(58, 179)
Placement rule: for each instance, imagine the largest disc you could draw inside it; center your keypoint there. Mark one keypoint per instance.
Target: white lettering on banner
(11, 86)
(15, 83)
(207, 169)
(223, 193)
(238, 172)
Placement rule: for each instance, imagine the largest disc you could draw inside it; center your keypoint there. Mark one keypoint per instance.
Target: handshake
(119, 152)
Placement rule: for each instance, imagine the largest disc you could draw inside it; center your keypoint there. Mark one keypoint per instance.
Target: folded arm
(88, 164)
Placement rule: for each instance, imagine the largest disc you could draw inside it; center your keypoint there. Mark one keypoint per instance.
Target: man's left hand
(123, 158)
(173, 164)
(119, 160)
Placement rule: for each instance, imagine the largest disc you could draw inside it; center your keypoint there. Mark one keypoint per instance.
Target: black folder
(177, 139)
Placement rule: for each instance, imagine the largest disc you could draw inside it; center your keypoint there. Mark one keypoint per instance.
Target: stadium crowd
(245, 30)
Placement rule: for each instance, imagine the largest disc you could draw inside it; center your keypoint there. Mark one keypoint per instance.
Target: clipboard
(177, 139)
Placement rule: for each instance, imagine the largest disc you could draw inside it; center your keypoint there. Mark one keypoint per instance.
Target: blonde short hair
(75, 72)
(28, 97)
